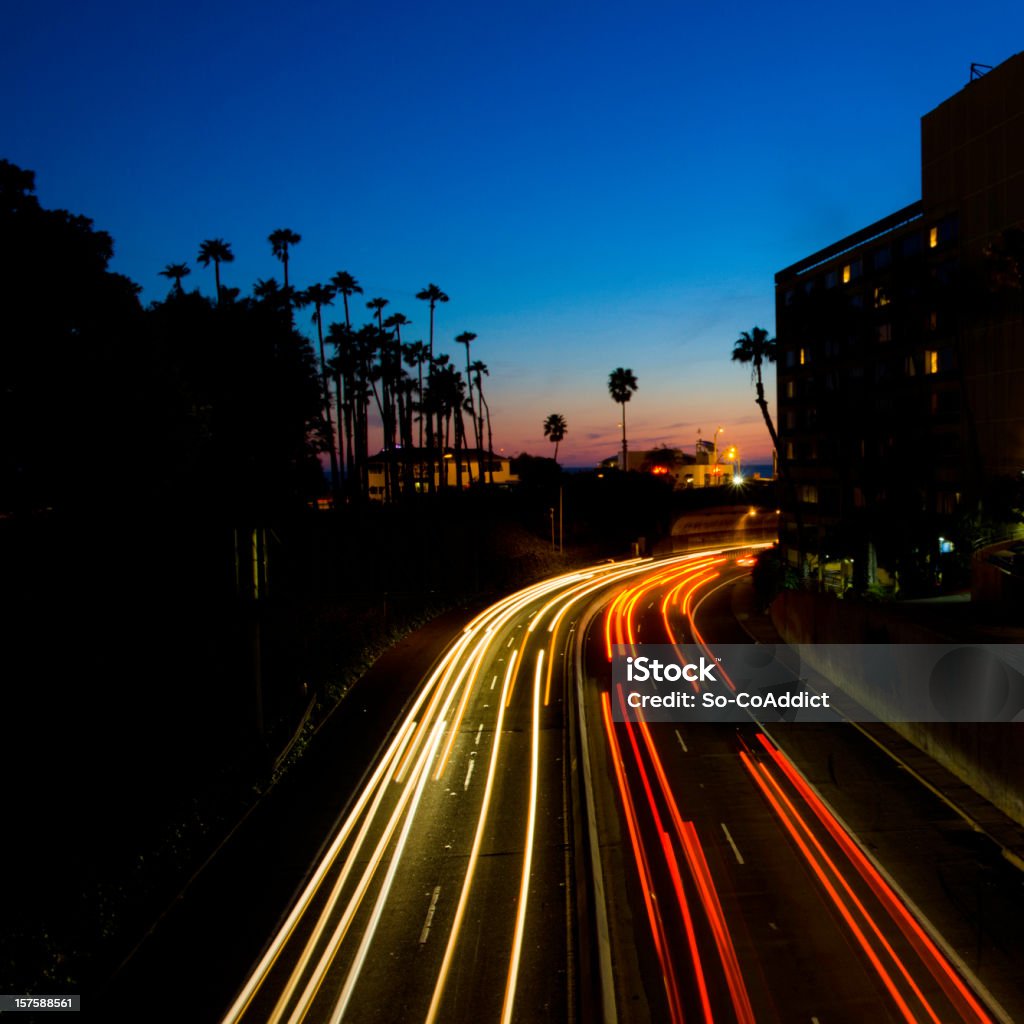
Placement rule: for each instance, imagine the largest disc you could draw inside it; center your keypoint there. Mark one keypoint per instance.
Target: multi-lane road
(517, 855)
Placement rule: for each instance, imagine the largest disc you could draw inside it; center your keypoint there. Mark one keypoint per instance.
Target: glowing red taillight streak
(643, 869)
(932, 956)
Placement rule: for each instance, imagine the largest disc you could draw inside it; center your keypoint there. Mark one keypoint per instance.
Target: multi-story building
(901, 355)
(470, 467)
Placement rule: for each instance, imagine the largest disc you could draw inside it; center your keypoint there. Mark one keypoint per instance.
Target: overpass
(720, 526)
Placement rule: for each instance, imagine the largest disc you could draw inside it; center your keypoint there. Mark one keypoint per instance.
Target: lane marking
(476, 742)
(732, 843)
(469, 775)
(430, 914)
(682, 742)
(511, 640)
(493, 681)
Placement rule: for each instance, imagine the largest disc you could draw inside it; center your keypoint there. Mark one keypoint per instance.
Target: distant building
(705, 468)
(901, 353)
(420, 465)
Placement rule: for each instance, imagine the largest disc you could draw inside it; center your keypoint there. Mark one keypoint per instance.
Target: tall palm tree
(215, 251)
(346, 286)
(480, 370)
(281, 241)
(621, 385)
(467, 338)
(555, 429)
(175, 272)
(433, 295)
(319, 295)
(756, 348)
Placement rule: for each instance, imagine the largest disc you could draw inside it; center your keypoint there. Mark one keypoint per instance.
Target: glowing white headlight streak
(319, 929)
(341, 929)
(474, 854)
(531, 824)
(378, 909)
(256, 978)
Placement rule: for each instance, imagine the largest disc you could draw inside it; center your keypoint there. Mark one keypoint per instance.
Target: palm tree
(318, 296)
(621, 385)
(215, 251)
(280, 242)
(555, 429)
(756, 348)
(433, 295)
(481, 369)
(175, 272)
(467, 338)
(346, 286)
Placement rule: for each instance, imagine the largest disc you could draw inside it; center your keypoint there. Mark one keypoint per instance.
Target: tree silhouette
(215, 251)
(175, 272)
(621, 385)
(346, 286)
(319, 295)
(756, 348)
(555, 429)
(433, 295)
(467, 338)
(281, 242)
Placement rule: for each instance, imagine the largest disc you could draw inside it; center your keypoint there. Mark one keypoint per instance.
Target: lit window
(790, 389)
(931, 361)
(846, 274)
(803, 357)
(881, 299)
(933, 238)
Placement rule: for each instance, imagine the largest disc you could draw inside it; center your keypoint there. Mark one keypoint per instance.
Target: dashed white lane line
(493, 681)
(476, 742)
(732, 843)
(430, 914)
(469, 775)
(682, 743)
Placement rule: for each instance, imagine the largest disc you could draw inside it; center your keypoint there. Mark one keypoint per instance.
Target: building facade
(901, 357)
(470, 468)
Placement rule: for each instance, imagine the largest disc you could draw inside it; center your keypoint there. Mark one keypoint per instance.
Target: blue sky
(594, 185)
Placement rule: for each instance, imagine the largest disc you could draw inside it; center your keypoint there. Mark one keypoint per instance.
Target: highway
(515, 855)
(749, 899)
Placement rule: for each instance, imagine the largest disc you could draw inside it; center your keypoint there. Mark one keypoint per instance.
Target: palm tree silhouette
(281, 241)
(346, 286)
(215, 251)
(433, 295)
(555, 429)
(467, 338)
(319, 295)
(175, 272)
(480, 370)
(756, 348)
(621, 385)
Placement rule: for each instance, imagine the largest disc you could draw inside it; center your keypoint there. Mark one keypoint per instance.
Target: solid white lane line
(732, 843)
(469, 775)
(430, 915)
(682, 742)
